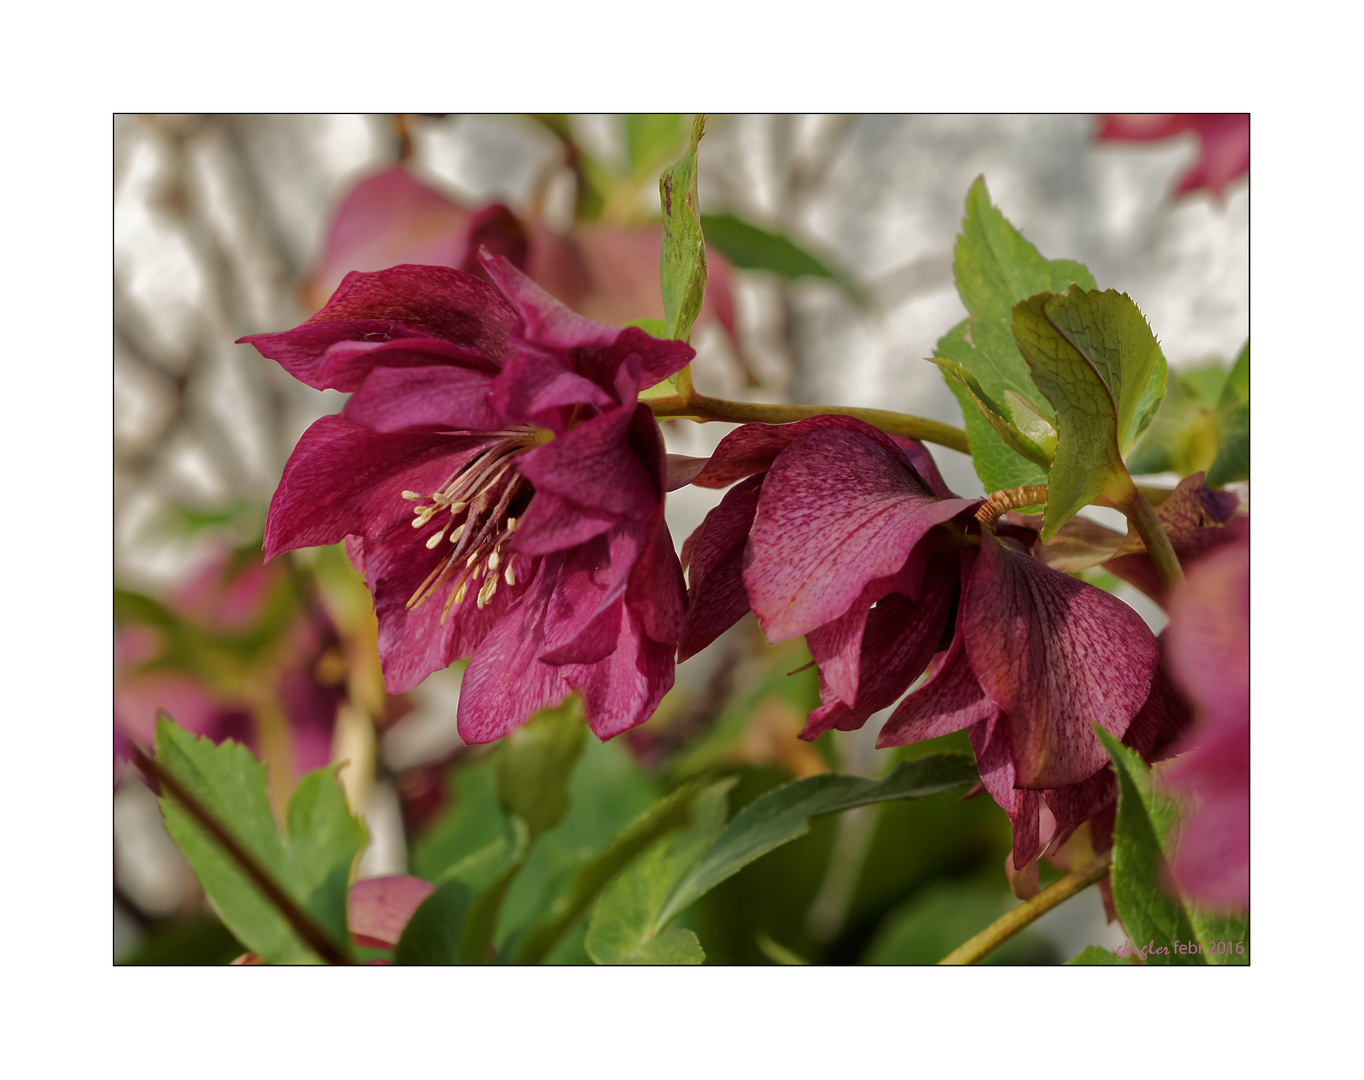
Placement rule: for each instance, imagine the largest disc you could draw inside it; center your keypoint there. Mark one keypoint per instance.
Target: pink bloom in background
(498, 485)
(1224, 142)
(228, 602)
(606, 273)
(1208, 648)
(843, 534)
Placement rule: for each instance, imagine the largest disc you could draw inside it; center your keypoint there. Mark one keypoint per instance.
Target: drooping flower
(1224, 142)
(848, 536)
(497, 484)
(1208, 651)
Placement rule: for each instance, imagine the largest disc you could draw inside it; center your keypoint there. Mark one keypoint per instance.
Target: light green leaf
(1092, 955)
(671, 812)
(1023, 429)
(1154, 920)
(1093, 356)
(682, 263)
(750, 247)
(536, 763)
(782, 815)
(995, 268)
(435, 933)
(1183, 436)
(311, 863)
(624, 928)
(1233, 426)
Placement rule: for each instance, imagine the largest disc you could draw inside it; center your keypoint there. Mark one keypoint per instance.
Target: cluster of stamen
(479, 500)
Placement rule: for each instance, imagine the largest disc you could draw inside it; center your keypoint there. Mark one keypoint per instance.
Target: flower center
(476, 510)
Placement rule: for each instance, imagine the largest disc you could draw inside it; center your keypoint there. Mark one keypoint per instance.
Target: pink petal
(447, 397)
(378, 909)
(582, 620)
(596, 466)
(343, 478)
(991, 742)
(716, 597)
(625, 688)
(752, 448)
(656, 592)
(1057, 655)
(838, 510)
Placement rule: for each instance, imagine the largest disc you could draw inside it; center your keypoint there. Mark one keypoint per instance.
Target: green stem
(699, 407)
(1002, 929)
(1144, 520)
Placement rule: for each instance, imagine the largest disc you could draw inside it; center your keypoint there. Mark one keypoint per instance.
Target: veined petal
(623, 689)
(553, 523)
(838, 510)
(444, 397)
(1057, 655)
(716, 597)
(656, 592)
(343, 478)
(990, 742)
(581, 624)
(538, 387)
(752, 448)
(595, 465)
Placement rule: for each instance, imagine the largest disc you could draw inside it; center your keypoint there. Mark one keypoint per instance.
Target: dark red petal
(716, 597)
(553, 523)
(838, 511)
(624, 689)
(752, 448)
(581, 621)
(595, 466)
(990, 741)
(656, 592)
(343, 478)
(444, 397)
(1057, 655)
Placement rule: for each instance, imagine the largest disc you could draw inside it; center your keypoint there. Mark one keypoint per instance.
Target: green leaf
(624, 928)
(435, 933)
(1025, 431)
(311, 863)
(535, 765)
(671, 812)
(1093, 356)
(943, 915)
(1092, 955)
(682, 263)
(1154, 920)
(750, 247)
(1233, 426)
(782, 815)
(1183, 437)
(995, 268)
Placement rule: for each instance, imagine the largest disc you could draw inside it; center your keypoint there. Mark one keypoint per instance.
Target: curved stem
(699, 407)
(1148, 527)
(1002, 929)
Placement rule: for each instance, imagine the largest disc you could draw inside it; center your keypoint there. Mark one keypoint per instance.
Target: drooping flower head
(849, 537)
(498, 485)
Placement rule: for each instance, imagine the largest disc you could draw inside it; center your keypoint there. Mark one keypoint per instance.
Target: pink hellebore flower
(1224, 142)
(498, 485)
(1208, 649)
(849, 537)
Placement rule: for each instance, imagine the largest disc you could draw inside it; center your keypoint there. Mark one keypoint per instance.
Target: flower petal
(624, 689)
(581, 622)
(990, 741)
(378, 909)
(1057, 655)
(838, 510)
(343, 478)
(596, 466)
(444, 397)
(753, 447)
(716, 597)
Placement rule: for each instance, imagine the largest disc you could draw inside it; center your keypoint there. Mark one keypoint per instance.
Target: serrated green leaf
(995, 268)
(1034, 438)
(782, 815)
(1183, 436)
(1093, 356)
(535, 765)
(624, 927)
(311, 863)
(682, 263)
(1233, 426)
(1154, 920)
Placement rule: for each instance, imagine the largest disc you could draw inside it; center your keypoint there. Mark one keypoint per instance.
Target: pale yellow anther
(436, 539)
(463, 588)
(486, 593)
(456, 533)
(473, 558)
(424, 514)
(413, 496)
(510, 577)
(511, 524)
(494, 560)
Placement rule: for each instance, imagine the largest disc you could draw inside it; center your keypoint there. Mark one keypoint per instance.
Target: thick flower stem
(998, 932)
(1144, 520)
(699, 407)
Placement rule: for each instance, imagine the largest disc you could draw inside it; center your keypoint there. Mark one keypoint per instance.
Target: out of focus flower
(237, 654)
(1208, 648)
(1224, 142)
(608, 273)
(498, 485)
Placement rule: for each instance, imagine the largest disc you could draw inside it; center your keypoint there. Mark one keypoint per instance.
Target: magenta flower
(1224, 142)
(849, 537)
(1208, 650)
(497, 484)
